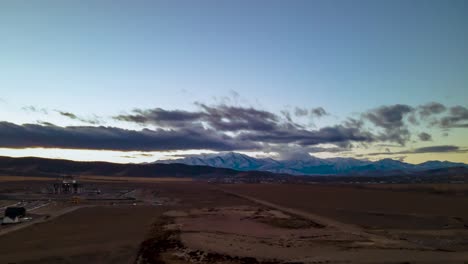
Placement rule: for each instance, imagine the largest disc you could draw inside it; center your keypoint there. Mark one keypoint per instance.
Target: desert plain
(186, 221)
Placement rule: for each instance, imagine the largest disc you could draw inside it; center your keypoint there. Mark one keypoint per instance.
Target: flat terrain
(174, 221)
(373, 208)
(87, 235)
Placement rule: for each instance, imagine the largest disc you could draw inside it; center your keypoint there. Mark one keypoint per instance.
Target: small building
(13, 215)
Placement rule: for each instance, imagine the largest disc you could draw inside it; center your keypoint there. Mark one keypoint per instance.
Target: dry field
(442, 188)
(101, 232)
(371, 208)
(179, 222)
(87, 235)
(22, 178)
(95, 178)
(86, 178)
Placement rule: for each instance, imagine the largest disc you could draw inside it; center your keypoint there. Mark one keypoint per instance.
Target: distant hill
(312, 165)
(54, 167)
(384, 170)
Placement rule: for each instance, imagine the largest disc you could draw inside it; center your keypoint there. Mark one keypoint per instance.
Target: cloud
(290, 134)
(423, 136)
(431, 149)
(68, 114)
(318, 112)
(388, 117)
(391, 120)
(299, 112)
(138, 155)
(35, 109)
(220, 117)
(224, 127)
(234, 118)
(218, 127)
(112, 138)
(161, 117)
(93, 121)
(437, 149)
(457, 118)
(314, 112)
(287, 115)
(253, 125)
(431, 108)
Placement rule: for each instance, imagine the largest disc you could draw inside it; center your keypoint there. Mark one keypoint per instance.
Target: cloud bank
(225, 128)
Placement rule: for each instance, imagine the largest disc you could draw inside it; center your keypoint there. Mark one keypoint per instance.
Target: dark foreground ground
(195, 222)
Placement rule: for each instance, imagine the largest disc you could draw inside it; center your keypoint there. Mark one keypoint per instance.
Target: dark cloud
(437, 149)
(93, 121)
(44, 123)
(388, 117)
(391, 120)
(68, 114)
(234, 118)
(111, 138)
(431, 108)
(219, 127)
(134, 156)
(318, 112)
(412, 119)
(225, 127)
(251, 125)
(431, 149)
(302, 137)
(35, 109)
(423, 136)
(299, 112)
(457, 118)
(221, 117)
(161, 117)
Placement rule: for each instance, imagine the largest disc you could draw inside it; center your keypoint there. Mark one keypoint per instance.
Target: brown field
(328, 198)
(22, 178)
(177, 221)
(88, 235)
(133, 179)
(92, 178)
(441, 188)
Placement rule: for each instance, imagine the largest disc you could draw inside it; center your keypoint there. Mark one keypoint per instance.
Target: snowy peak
(230, 160)
(308, 166)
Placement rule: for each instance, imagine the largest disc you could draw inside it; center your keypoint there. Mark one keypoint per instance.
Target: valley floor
(197, 222)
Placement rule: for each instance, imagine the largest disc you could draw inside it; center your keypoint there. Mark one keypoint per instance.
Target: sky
(136, 81)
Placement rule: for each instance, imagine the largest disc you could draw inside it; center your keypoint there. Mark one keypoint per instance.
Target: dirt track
(343, 227)
(386, 248)
(237, 221)
(41, 219)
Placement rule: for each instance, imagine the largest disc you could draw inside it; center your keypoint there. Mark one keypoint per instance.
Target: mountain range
(310, 165)
(350, 170)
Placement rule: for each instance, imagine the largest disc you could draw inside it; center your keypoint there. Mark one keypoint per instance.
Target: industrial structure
(67, 185)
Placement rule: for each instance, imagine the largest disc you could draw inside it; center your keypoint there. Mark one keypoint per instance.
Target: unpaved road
(41, 219)
(387, 250)
(328, 222)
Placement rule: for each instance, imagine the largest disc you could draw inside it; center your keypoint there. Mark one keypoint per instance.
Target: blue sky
(108, 57)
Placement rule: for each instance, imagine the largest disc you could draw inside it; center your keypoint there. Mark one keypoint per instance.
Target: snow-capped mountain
(309, 166)
(229, 160)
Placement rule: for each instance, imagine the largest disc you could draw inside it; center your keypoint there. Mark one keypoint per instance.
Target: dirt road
(41, 219)
(386, 248)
